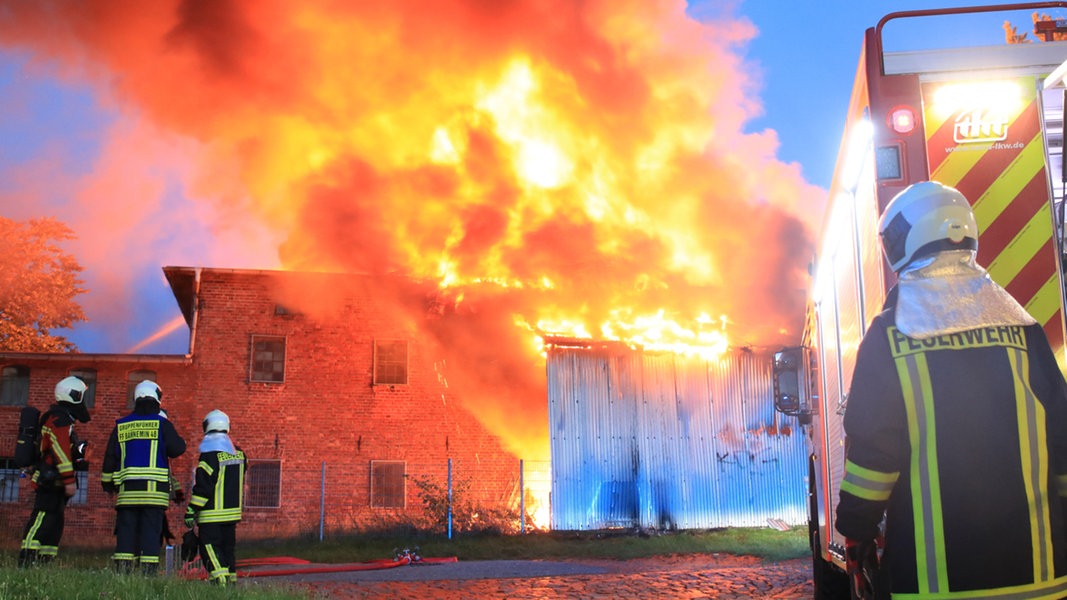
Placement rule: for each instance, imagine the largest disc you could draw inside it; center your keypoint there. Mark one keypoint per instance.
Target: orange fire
(559, 167)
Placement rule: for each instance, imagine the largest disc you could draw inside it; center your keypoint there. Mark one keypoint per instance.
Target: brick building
(337, 400)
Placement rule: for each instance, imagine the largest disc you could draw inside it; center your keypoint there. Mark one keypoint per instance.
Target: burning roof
(555, 167)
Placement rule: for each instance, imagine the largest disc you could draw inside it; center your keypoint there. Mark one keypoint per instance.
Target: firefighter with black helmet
(53, 479)
(137, 472)
(956, 425)
(217, 498)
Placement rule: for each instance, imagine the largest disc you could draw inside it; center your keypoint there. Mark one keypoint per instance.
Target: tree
(38, 283)
(1046, 29)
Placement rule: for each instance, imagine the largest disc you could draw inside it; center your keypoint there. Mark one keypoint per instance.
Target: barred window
(132, 379)
(268, 359)
(264, 483)
(15, 386)
(387, 484)
(89, 377)
(9, 481)
(390, 362)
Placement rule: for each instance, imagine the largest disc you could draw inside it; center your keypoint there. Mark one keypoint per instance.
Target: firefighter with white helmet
(216, 421)
(137, 471)
(217, 498)
(956, 424)
(53, 480)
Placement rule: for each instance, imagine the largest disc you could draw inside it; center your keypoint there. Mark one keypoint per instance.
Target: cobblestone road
(686, 577)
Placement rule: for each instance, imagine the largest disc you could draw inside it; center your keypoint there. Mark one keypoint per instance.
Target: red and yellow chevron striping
(993, 151)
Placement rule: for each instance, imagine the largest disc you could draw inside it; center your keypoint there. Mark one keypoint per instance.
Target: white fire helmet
(924, 218)
(148, 389)
(71, 390)
(216, 420)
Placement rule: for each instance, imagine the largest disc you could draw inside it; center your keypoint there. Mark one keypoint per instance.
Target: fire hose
(370, 565)
(289, 565)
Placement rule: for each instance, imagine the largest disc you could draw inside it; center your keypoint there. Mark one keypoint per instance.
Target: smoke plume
(556, 167)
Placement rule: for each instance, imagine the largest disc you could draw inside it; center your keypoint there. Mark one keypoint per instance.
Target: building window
(9, 481)
(280, 310)
(15, 386)
(268, 359)
(132, 380)
(264, 483)
(387, 484)
(89, 377)
(390, 362)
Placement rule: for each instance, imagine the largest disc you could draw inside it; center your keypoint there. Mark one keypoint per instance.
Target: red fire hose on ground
(288, 565)
(370, 565)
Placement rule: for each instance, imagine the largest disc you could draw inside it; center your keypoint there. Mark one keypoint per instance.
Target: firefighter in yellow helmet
(136, 471)
(217, 498)
(956, 425)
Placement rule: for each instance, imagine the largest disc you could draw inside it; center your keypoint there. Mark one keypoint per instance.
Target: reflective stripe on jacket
(55, 450)
(137, 459)
(218, 489)
(962, 441)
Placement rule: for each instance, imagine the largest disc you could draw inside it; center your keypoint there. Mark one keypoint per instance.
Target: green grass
(83, 573)
(766, 543)
(67, 583)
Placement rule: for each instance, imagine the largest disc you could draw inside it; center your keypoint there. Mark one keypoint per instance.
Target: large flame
(557, 167)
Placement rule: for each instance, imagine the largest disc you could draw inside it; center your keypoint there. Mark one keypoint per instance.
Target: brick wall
(326, 411)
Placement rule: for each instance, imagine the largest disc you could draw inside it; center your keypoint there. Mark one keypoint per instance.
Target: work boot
(44, 559)
(27, 558)
(123, 567)
(149, 569)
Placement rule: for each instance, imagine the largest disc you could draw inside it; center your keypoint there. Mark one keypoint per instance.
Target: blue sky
(805, 53)
(809, 54)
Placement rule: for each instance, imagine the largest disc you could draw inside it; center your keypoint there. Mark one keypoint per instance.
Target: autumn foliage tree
(1054, 34)
(38, 284)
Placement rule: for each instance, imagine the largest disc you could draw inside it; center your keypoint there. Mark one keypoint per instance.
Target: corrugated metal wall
(670, 442)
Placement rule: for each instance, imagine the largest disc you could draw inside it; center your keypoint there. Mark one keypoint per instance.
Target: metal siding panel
(566, 473)
(662, 468)
(731, 451)
(694, 415)
(678, 443)
(624, 401)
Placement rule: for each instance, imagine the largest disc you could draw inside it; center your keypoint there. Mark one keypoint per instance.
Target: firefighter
(956, 425)
(137, 472)
(53, 478)
(216, 499)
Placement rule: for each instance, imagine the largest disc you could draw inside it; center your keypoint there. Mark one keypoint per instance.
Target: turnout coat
(960, 441)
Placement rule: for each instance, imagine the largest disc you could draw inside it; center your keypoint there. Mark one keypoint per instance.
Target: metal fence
(449, 497)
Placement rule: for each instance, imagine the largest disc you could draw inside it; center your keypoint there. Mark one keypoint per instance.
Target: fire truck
(986, 120)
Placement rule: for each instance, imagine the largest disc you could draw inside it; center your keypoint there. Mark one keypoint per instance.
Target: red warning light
(902, 120)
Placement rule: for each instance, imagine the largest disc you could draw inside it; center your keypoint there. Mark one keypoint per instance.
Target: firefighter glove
(190, 519)
(179, 496)
(861, 560)
(110, 488)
